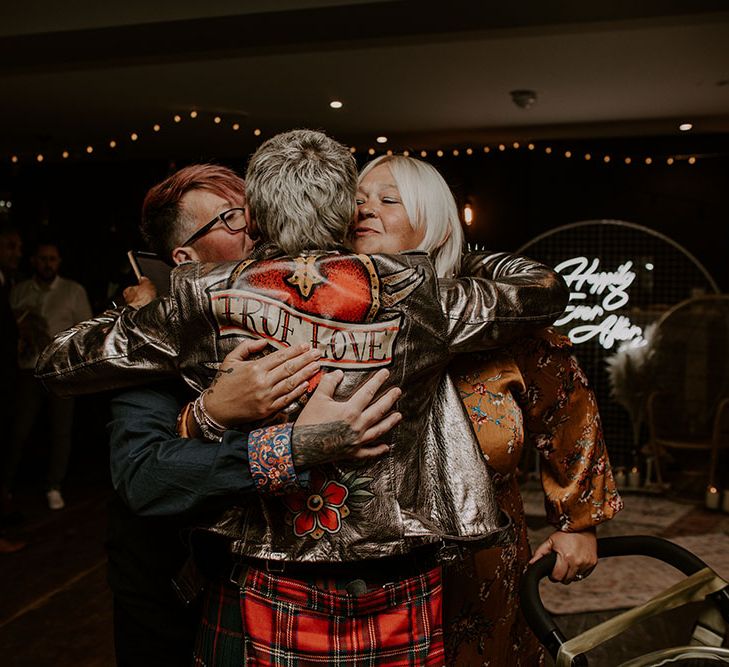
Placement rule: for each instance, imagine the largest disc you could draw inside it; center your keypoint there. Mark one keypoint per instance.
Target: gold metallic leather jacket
(365, 312)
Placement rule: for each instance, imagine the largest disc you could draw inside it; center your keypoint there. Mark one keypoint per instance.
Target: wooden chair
(688, 409)
(666, 436)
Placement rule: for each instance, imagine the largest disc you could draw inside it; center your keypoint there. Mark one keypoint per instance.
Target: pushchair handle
(541, 621)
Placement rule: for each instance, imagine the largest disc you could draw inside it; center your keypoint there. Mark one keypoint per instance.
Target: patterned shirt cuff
(271, 460)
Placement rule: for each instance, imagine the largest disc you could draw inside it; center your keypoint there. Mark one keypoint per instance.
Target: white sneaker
(55, 499)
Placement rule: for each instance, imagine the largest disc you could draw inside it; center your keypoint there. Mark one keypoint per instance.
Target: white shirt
(61, 304)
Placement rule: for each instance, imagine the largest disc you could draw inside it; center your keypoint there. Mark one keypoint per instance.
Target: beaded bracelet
(210, 429)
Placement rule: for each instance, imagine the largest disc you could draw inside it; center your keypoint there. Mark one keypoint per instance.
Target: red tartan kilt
(290, 622)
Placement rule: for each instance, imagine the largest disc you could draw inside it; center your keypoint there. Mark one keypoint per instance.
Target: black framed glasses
(234, 219)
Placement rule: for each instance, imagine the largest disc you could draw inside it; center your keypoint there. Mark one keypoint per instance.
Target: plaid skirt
(275, 621)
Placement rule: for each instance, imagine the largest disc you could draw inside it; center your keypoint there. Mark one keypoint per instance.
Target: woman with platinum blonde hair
(430, 207)
(532, 390)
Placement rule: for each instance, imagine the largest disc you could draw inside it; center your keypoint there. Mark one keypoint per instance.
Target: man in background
(43, 306)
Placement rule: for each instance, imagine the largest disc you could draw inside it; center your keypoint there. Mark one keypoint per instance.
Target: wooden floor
(55, 606)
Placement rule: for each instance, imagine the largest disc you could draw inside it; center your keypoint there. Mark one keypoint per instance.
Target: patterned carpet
(623, 582)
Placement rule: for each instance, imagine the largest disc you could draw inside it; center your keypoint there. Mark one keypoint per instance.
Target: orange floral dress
(533, 390)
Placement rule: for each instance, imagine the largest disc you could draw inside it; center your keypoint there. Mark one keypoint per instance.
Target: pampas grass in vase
(629, 371)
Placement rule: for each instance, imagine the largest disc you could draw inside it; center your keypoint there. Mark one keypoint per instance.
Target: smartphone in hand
(151, 266)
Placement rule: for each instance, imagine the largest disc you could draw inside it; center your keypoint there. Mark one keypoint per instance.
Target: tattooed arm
(158, 473)
(326, 430)
(352, 427)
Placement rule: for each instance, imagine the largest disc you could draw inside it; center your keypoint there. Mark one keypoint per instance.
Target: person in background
(11, 248)
(43, 305)
(531, 391)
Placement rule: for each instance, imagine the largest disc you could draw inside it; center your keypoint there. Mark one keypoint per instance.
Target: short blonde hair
(429, 204)
(301, 188)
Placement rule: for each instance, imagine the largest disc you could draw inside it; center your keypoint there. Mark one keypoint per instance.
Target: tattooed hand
(245, 391)
(329, 430)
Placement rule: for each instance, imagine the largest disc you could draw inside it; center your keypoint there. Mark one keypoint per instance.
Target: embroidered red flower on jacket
(319, 510)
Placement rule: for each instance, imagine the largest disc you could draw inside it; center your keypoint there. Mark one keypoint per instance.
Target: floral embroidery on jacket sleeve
(271, 461)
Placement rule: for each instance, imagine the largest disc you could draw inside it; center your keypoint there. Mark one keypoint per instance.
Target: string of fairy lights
(605, 157)
(133, 137)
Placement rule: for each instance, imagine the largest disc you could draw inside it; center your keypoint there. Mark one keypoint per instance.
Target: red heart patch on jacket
(335, 287)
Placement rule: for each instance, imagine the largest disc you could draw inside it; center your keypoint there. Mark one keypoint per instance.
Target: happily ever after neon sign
(595, 298)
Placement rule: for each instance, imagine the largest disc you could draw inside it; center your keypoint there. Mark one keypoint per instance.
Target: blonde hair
(301, 188)
(429, 204)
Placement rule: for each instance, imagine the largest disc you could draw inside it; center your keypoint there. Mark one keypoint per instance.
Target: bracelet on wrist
(210, 429)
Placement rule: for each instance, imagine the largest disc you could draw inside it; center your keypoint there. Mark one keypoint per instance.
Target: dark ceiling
(420, 73)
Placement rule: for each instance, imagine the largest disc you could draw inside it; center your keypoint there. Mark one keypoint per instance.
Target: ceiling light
(439, 153)
(352, 149)
(177, 118)
(89, 149)
(257, 132)
(217, 120)
(39, 157)
(382, 139)
(64, 155)
(371, 151)
(193, 114)
(236, 126)
(692, 160)
(336, 104)
(134, 136)
(112, 144)
(685, 127)
(156, 127)
(14, 159)
(406, 153)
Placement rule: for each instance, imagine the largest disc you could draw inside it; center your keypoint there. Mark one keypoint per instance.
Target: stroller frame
(701, 583)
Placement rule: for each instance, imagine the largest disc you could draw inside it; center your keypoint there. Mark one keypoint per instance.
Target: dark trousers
(30, 398)
(152, 627)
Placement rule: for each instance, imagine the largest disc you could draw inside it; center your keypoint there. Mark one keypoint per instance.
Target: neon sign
(600, 319)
